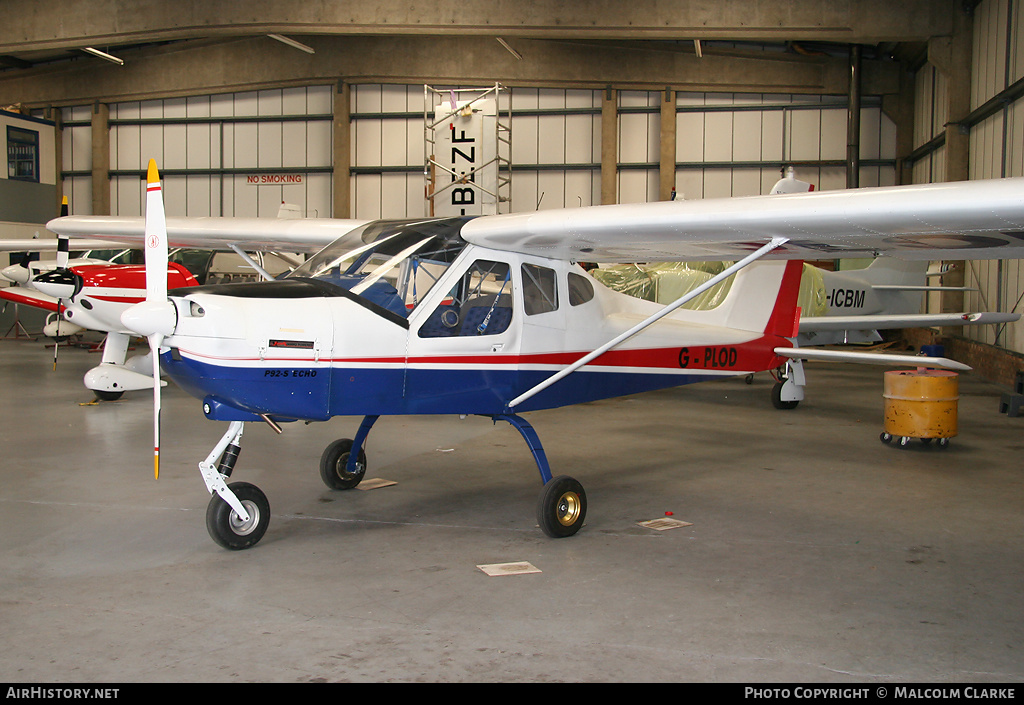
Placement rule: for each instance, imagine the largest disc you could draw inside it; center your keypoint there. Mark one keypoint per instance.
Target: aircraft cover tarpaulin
(666, 281)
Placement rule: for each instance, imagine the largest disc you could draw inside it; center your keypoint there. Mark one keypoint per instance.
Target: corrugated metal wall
(210, 148)
(996, 150)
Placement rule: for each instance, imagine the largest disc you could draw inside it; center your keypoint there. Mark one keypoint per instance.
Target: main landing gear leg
(239, 513)
(562, 506)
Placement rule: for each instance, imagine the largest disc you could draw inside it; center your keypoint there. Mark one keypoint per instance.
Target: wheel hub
(569, 508)
(244, 528)
(342, 468)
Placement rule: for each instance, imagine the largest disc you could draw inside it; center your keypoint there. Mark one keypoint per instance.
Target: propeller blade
(63, 256)
(154, 344)
(156, 287)
(63, 241)
(155, 237)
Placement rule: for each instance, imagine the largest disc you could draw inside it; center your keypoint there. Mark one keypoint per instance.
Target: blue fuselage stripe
(323, 392)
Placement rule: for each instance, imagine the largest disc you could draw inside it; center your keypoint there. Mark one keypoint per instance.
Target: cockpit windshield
(396, 264)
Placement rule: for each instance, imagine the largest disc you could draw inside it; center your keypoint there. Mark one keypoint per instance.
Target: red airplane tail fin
(785, 318)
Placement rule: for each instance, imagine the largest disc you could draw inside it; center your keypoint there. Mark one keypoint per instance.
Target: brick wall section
(994, 364)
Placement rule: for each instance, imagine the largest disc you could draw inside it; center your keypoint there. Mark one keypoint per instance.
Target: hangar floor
(815, 554)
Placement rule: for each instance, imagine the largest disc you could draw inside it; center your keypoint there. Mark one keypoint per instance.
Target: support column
(100, 159)
(342, 156)
(952, 56)
(899, 107)
(57, 116)
(667, 168)
(609, 147)
(853, 121)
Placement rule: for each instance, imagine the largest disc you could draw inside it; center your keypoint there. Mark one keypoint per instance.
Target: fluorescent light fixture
(512, 51)
(292, 43)
(104, 55)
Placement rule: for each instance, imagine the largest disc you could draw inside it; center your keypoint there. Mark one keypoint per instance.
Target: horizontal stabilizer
(866, 358)
(818, 324)
(922, 287)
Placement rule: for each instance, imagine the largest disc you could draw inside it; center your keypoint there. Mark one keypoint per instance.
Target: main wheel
(562, 507)
(334, 466)
(224, 524)
(777, 398)
(103, 395)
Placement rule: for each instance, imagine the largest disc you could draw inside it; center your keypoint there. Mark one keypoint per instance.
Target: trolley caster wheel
(885, 437)
(943, 443)
(904, 441)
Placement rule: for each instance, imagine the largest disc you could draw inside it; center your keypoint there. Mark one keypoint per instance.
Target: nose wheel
(232, 531)
(238, 514)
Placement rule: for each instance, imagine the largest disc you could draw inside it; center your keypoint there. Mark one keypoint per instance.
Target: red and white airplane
(89, 293)
(493, 316)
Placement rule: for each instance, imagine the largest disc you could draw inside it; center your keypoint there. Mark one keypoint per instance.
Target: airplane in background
(91, 293)
(837, 307)
(493, 316)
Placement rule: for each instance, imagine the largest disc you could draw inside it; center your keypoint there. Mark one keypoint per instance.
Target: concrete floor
(816, 554)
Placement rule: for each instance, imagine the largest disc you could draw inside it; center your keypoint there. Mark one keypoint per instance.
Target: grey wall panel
(988, 63)
(26, 201)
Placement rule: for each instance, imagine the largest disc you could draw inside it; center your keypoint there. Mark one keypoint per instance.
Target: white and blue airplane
(493, 316)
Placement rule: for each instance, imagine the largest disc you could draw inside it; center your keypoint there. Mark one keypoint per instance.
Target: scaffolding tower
(467, 150)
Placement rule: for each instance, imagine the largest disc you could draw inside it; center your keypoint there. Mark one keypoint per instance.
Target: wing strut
(725, 274)
(251, 262)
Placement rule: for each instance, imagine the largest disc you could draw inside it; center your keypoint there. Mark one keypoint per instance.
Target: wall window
(22, 154)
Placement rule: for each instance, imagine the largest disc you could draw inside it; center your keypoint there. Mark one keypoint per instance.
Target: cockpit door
(464, 340)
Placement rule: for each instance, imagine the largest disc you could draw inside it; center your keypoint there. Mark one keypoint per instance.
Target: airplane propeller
(156, 317)
(60, 282)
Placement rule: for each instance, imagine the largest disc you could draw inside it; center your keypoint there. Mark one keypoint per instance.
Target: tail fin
(763, 299)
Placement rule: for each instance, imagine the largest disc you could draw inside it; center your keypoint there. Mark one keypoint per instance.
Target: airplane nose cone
(16, 273)
(59, 283)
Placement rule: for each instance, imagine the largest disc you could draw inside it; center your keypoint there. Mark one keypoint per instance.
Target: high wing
(50, 245)
(250, 234)
(29, 297)
(958, 220)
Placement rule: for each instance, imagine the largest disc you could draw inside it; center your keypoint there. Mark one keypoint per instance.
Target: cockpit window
(480, 303)
(390, 263)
